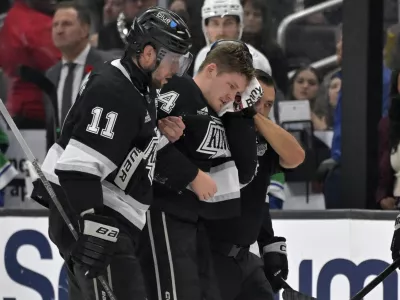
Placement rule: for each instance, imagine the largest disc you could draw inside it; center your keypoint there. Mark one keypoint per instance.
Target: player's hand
(204, 186)
(275, 262)
(388, 203)
(395, 246)
(96, 245)
(172, 128)
(324, 168)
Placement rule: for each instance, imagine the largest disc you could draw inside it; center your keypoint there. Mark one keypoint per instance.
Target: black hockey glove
(96, 245)
(324, 168)
(275, 262)
(395, 246)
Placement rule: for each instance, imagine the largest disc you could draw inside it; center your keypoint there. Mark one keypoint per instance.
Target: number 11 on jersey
(94, 128)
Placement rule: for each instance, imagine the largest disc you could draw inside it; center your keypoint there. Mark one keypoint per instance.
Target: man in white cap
(223, 19)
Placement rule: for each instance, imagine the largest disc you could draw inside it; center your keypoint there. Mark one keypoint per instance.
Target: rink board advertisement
(327, 258)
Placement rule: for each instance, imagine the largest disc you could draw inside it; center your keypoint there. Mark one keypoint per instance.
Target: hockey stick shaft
(378, 279)
(47, 185)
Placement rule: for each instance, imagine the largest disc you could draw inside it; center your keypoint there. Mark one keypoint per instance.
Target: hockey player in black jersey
(102, 166)
(241, 274)
(174, 251)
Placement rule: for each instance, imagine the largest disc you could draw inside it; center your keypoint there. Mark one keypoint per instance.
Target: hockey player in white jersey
(223, 19)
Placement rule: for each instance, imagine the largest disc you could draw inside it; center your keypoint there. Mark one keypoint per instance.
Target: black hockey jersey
(255, 221)
(209, 143)
(105, 156)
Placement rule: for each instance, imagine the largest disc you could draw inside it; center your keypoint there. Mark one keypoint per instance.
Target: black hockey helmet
(166, 32)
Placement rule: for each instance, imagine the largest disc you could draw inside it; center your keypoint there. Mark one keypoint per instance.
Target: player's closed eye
(268, 104)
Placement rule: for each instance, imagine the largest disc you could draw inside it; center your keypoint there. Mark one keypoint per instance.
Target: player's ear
(149, 56)
(85, 30)
(211, 70)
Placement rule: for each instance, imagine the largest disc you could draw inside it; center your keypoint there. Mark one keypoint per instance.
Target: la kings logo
(150, 154)
(215, 142)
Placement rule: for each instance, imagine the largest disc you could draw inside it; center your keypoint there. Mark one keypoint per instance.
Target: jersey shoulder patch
(215, 142)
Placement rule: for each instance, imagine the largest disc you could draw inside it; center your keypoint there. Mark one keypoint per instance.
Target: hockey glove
(395, 247)
(324, 168)
(245, 101)
(96, 245)
(275, 262)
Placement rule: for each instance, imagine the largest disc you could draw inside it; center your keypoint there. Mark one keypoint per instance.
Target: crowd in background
(34, 39)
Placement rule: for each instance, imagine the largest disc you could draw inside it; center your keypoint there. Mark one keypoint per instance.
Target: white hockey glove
(245, 102)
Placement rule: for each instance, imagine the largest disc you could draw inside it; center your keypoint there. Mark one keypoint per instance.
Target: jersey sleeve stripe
(82, 158)
(118, 193)
(162, 143)
(113, 197)
(49, 162)
(130, 210)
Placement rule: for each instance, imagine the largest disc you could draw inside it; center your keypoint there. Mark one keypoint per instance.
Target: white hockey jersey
(259, 59)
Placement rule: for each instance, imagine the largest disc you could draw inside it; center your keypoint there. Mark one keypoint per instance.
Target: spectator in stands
(329, 170)
(335, 85)
(178, 5)
(25, 39)
(326, 102)
(110, 13)
(71, 25)
(389, 138)
(112, 36)
(305, 85)
(258, 32)
(180, 8)
(111, 10)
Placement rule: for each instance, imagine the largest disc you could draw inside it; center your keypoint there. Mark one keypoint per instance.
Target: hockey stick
(378, 279)
(290, 294)
(39, 79)
(47, 185)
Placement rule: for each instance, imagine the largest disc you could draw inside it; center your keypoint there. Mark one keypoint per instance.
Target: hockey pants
(123, 275)
(240, 273)
(176, 259)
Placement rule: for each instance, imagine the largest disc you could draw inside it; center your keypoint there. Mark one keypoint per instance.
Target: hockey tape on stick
(378, 279)
(47, 185)
(291, 294)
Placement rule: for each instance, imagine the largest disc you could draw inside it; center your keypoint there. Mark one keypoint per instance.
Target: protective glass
(179, 63)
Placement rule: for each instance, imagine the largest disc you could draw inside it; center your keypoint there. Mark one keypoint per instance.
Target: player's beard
(155, 83)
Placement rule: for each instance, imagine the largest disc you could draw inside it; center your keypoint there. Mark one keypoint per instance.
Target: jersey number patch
(168, 101)
(93, 127)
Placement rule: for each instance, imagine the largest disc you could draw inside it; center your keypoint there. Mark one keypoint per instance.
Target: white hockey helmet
(221, 8)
